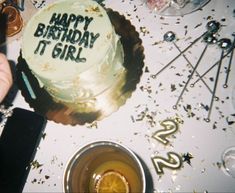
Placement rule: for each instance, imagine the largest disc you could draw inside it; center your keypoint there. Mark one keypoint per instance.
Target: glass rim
(92, 145)
(225, 151)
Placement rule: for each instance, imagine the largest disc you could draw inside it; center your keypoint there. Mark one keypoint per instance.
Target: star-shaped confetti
(186, 157)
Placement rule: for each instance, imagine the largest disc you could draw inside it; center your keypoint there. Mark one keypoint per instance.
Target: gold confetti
(35, 164)
(144, 30)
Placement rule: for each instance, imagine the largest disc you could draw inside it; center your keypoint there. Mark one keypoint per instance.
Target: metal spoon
(224, 44)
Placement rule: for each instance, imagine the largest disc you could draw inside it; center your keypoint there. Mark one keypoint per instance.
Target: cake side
(90, 83)
(72, 49)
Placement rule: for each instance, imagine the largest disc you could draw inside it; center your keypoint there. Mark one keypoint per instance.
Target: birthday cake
(72, 49)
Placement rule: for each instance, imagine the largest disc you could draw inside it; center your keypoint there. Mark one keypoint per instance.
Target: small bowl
(88, 166)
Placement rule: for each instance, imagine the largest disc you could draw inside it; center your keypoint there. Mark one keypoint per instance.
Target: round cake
(72, 49)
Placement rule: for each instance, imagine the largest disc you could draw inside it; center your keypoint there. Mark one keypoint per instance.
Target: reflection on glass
(175, 7)
(233, 96)
(104, 167)
(228, 160)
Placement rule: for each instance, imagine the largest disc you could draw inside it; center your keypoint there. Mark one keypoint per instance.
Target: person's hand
(5, 76)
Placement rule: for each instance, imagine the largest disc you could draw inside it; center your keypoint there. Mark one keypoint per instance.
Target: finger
(5, 76)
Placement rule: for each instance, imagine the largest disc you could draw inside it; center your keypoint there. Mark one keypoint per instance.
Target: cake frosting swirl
(72, 49)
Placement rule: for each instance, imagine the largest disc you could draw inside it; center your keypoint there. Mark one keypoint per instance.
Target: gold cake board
(103, 105)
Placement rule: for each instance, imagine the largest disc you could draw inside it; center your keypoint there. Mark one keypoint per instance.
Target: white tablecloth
(134, 124)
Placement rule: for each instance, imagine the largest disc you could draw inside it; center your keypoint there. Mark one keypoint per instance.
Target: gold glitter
(157, 42)
(178, 120)
(44, 136)
(93, 125)
(76, 81)
(94, 9)
(109, 36)
(35, 164)
(144, 30)
(47, 67)
(53, 91)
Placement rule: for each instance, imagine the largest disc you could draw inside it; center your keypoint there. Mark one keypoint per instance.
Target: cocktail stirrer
(230, 62)
(212, 27)
(224, 44)
(170, 37)
(209, 39)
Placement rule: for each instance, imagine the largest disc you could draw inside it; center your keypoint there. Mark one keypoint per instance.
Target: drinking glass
(104, 164)
(175, 7)
(228, 161)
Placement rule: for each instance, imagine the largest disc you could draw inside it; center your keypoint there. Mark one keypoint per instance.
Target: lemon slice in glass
(112, 181)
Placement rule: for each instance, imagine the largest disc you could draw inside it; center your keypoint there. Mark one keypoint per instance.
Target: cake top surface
(66, 38)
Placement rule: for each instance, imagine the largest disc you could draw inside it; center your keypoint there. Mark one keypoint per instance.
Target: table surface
(135, 123)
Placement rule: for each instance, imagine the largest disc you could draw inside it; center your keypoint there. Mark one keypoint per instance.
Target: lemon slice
(112, 182)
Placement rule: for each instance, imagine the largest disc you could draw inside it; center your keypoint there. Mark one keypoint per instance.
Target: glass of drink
(175, 7)
(228, 161)
(104, 167)
(233, 96)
